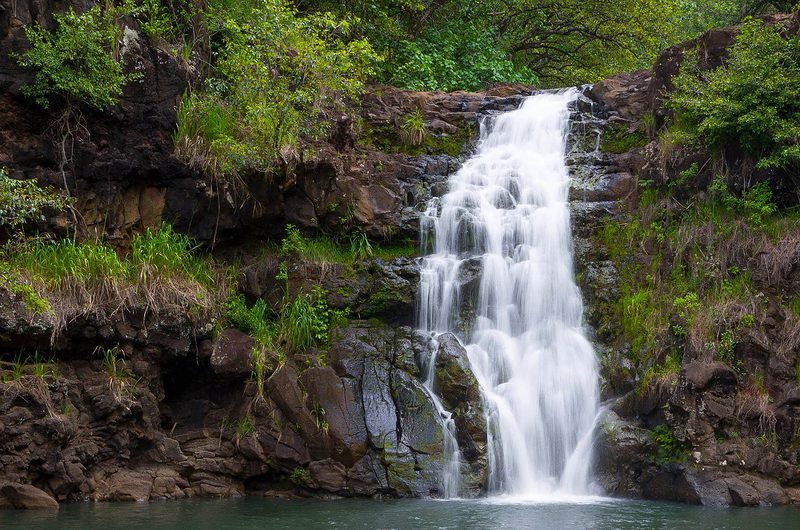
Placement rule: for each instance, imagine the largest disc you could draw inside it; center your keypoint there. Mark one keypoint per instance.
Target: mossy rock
(617, 138)
(388, 139)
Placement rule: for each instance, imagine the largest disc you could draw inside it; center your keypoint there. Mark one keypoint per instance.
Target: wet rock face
(356, 421)
(460, 393)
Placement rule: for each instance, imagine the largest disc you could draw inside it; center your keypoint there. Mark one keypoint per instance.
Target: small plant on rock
(319, 417)
(119, 377)
(245, 427)
(300, 477)
(670, 449)
(412, 130)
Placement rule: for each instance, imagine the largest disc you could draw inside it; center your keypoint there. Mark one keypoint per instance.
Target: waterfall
(522, 326)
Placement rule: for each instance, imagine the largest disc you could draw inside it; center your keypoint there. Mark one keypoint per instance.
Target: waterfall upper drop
(506, 211)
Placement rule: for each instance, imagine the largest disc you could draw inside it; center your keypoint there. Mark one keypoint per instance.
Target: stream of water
(507, 207)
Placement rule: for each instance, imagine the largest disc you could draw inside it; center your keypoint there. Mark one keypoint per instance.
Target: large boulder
(231, 353)
(25, 497)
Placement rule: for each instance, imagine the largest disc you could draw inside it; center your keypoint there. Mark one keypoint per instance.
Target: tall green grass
(167, 253)
(302, 322)
(322, 249)
(55, 264)
(162, 271)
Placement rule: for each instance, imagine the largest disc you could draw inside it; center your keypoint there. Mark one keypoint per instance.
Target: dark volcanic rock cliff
(177, 413)
(720, 428)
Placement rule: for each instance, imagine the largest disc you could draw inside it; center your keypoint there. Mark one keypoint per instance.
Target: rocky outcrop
(125, 176)
(175, 421)
(707, 435)
(25, 497)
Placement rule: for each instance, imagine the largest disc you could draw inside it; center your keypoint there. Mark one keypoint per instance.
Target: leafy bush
(307, 320)
(755, 203)
(360, 247)
(300, 477)
(77, 61)
(457, 55)
(670, 449)
(752, 101)
(23, 200)
(276, 77)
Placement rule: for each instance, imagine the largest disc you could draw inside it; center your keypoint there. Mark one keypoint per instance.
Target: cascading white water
(507, 207)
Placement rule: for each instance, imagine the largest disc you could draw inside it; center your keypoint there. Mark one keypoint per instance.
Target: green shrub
(752, 101)
(22, 201)
(154, 19)
(670, 449)
(307, 320)
(276, 78)
(456, 55)
(412, 130)
(755, 204)
(77, 61)
(360, 246)
(300, 477)
(294, 244)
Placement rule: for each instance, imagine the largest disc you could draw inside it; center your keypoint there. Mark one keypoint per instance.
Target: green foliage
(276, 76)
(245, 427)
(120, 378)
(301, 323)
(469, 44)
(726, 344)
(618, 139)
(755, 203)
(322, 249)
(690, 172)
(69, 262)
(670, 449)
(35, 303)
(78, 60)
(162, 254)
(412, 130)
(307, 320)
(660, 373)
(693, 258)
(794, 305)
(752, 101)
(456, 54)
(294, 244)
(300, 477)
(66, 279)
(22, 201)
(36, 366)
(165, 253)
(249, 319)
(360, 247)
(696, 16)
(687, 306)
(154, 19)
